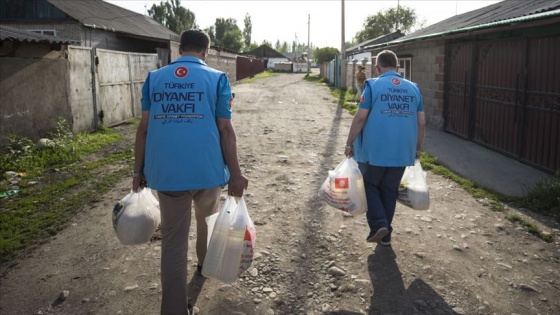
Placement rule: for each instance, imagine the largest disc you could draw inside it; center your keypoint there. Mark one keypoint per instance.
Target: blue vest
(183, 150)
(390, 133)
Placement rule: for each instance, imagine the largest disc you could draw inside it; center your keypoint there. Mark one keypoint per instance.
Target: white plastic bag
(344, 188)
(413, 190)
(136, 217)
(230, 249)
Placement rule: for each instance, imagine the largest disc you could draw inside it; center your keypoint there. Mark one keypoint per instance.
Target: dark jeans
(382, 184)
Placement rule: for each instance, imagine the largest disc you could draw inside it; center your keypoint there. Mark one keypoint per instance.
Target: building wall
(34, 96)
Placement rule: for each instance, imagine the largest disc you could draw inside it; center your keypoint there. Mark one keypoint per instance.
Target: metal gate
(505, 95)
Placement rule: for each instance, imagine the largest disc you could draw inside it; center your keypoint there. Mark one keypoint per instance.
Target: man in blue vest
(186, 149)
(385, 136)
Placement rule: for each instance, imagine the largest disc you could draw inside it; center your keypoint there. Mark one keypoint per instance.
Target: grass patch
(265, 74)
(544, 197)
(42, 210)
(346, 99)
(531, 228)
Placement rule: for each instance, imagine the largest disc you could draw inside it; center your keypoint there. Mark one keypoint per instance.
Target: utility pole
(342, 53)
(397, 22)
(308, 49)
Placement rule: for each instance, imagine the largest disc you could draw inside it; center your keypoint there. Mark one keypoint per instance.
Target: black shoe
(199, 269)
(386, 241)
(377, 235)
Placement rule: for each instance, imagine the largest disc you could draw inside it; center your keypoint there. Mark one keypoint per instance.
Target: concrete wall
(34, 96)
(223, 61)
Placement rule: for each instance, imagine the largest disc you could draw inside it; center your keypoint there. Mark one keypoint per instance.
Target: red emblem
(340, 183)
(362, 99)
(181, 72)
(396, 81)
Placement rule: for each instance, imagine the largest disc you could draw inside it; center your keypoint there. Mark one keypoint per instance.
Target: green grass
(346, 97)
(265, 74)
(42, 210)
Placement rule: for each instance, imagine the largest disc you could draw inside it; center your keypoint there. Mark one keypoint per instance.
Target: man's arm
(228, 141)
(421, 132)
(357, 124)
(139, 151)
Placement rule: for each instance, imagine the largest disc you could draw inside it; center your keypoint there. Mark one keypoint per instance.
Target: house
(269, 56)
(492, 76)
(92, 23)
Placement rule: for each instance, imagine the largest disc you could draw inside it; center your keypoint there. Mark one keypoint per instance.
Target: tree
(386, 22)
(227, 34)
(247, 30)
(325, 54)
(173, 16)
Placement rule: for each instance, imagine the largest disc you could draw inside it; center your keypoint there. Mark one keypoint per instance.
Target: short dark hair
(195, 40)
(387, 59)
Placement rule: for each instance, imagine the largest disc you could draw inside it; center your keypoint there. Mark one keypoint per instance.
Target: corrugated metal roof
(20, 35)
(378, 40)
(505, 12)
(103, 15)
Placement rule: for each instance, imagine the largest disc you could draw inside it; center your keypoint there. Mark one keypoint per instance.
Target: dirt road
(459, 257)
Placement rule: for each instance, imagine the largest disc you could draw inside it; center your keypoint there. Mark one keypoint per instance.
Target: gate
(505, 95)
(120, 78)
(81, 91)
(458, 89)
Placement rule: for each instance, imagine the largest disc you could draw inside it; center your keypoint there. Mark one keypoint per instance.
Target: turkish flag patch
(181, 72)
(341, 183)
(396, 81)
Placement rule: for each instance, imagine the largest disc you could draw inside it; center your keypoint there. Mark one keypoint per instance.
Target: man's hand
(349, 151)
(139, 182)
(237, 185)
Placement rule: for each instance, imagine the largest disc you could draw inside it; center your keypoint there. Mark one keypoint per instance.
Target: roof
(103, 15)
(19, 35)
(378, 40)
(264, 51)
(496, 15)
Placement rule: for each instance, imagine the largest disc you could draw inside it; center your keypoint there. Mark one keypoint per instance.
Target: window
(46, 32)
(405, 68)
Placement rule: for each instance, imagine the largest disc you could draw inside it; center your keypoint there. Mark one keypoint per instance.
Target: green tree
(284, 47)
(247, 30)
(174, 16)
(325, 54)
(227, 34)
(385, 22)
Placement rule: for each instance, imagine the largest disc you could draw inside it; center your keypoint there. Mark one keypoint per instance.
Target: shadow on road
(389, 293)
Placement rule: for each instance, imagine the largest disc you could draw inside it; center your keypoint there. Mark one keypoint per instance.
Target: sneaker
(377, 235)
(386, 241)
(199, 269)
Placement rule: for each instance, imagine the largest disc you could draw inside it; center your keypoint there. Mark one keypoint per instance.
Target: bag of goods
(413, 190)
(344, 188)
(136, 217)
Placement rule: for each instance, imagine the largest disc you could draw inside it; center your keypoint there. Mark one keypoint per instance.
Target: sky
(288, 20)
